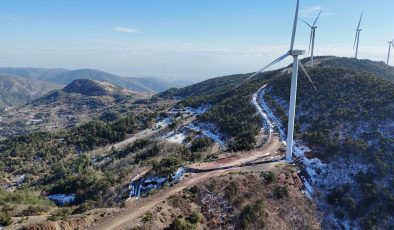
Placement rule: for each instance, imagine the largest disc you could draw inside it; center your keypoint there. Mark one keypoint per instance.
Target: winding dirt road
(138, 207)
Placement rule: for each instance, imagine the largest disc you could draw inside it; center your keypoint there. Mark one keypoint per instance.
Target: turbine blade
(307, 23)
(306, 73)
(294, 26)
(359, 22)
(279, 59)
(355, 40)
(317, 18)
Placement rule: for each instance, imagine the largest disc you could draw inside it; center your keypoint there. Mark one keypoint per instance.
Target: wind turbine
(357, 38)
(391, 44)
(293, 92)
(312, 39)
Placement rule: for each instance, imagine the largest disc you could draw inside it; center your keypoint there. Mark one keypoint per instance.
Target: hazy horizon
(174, 40)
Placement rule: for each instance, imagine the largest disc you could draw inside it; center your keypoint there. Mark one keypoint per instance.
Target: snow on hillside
(142, 186)
(208, 131)
(175, 137)
(312, 167)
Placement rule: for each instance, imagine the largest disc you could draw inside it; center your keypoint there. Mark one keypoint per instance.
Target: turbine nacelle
(297, 52)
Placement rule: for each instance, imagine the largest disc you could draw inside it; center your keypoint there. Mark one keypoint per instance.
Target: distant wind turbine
(293, 91)
(312, 39)
(357, 38)
(391, 44)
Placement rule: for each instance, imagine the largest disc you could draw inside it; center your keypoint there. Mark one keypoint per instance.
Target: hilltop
(79, 101)
(91, 88)
(379, 69)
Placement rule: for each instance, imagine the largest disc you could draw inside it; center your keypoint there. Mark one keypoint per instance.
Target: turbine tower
(312, 39)
(357, 38)
(293, 92)
(391, 44)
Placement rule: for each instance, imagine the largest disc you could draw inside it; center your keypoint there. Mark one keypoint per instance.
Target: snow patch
(313, 167)
(178, 138)
(163, 123)
(200, 128)
(62, 199)
(142, 186)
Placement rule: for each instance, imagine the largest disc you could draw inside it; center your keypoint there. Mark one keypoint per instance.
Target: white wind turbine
(293, 91)
(312, 37)
(391, 44)
(357, 38)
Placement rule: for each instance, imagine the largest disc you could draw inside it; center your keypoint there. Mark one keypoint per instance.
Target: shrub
(269, 177)
(60, 214)
(281, 192)
(200, 144)
(195, 218)
(177, 224)
(5, 219)
(253, 216)
(147, 218)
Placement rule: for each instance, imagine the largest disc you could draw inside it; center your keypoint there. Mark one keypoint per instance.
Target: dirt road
(138, 207)
(146, 133)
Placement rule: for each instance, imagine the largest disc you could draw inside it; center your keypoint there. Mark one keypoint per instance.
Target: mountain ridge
(64, 77)
(16, 91)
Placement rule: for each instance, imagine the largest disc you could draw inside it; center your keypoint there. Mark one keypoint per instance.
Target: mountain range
(21, 85)
(89, 138)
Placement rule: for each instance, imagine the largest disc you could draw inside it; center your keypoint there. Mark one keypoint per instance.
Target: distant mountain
(84, 93)
(32, 73)
(17, 90)
(64, 77)
(91, 88)
(79, 101)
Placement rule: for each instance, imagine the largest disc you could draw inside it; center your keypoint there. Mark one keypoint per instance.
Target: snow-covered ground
(318, 177)
(62, 199)
(173, 137)
(206, 130)
(269, 119)
(313, 167)
(21, 179)
(142, 186)
(162, 123)
(199, 110)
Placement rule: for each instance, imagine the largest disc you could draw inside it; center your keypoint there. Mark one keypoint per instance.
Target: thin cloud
(313, 11)
(126, 30)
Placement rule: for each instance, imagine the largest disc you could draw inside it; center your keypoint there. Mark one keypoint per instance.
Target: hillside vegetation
(78, 102)
(379, 69)
(348, 122)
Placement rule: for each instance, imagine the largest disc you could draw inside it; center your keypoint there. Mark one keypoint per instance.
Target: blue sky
(182, 39)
